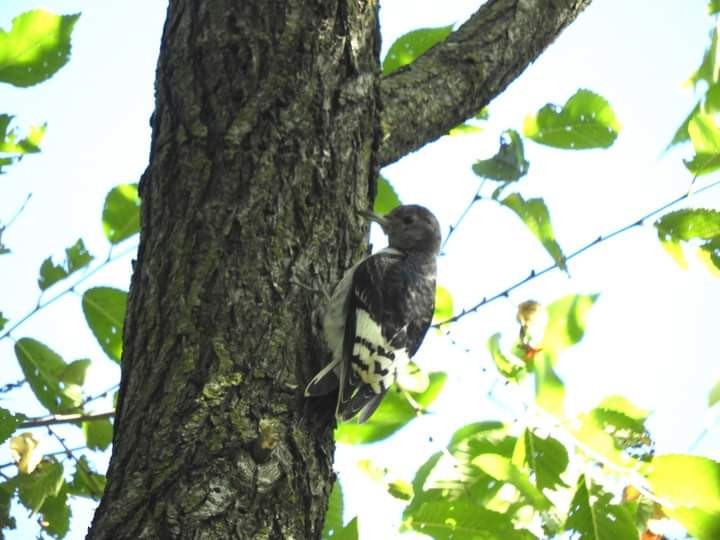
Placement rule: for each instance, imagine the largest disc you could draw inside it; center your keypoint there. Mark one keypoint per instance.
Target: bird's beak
(377, 218)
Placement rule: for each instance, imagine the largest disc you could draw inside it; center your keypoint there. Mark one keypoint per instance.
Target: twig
(22, 207)
(600, 239)
(42, 305)
(96, 490)
(64, 419)
(11, 386)
(477, 197)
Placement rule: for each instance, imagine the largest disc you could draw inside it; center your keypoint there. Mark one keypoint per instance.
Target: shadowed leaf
(104, 309)
(509, 164)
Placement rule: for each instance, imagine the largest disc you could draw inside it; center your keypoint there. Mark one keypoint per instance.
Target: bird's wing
(389, 311)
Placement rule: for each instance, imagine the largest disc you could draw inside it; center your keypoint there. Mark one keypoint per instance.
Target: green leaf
(394, 412)
(586, 121)
(44, 370)
(36, 47)
(708, 69)
(567, 319)
(76, 257)
(547, 459)
(400, 489)
(714, 395)
(121, 213)
(681, 134)
(7, 491)
(713, 7)
(75, 372)
(104, 309)
(465, 129)
(50, 273)
(593, 517)
(443, 304)
(507, 366)
(15, 147)
(3, 321)
(45, 481)
(446, 520)
(697, 225)
(8, 423)
(56, 514)
(408, 47)
(98, 433)
(348, 532)
(334, 514)
(549, 388)
(689, 487)
(412, 378)
(502, 469)
(508, 164)
(611, 429)
(705, 136)
(86, 482)
(386, 198)
(536, 217)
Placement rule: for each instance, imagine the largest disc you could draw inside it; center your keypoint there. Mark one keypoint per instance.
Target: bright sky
(650, 335)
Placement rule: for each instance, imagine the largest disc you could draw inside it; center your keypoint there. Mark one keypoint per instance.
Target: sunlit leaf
(681, 134)
(697, 225)
(616, 429)
(13, 147)
(705, 136)
(8, 423)
(76, 257)
(26, 451)
(348, 532)
(443, 304)
(56, 514)
(567, 319)
(44, 482)
(593, 517)
(709, 67)
(549, 388)
(394, 412)
(535, 215)
(409, 46)
(121, 213)
(44, 370)
(586, 121)
(386, 198)
(675, 250)
(86, 482)
(714, 395)
(501, 468)
(400, 489)
(465, 129)
(547, 458)
(36, 47)
(98, 433)
(508, 367)
(508, 164)
(713, 7)
(455, 519)
(689, 488)
(413, 379)
(104, 309)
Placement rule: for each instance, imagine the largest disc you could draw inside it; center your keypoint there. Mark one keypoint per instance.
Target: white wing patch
(374, 360)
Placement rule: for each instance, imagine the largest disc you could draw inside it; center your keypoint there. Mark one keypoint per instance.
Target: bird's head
(410, 228)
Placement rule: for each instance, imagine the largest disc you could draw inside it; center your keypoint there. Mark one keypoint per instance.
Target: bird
(379, 313)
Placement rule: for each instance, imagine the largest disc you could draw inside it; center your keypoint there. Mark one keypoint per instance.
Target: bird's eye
(407, 220)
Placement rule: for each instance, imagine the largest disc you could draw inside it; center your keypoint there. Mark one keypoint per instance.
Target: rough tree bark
(266, 139)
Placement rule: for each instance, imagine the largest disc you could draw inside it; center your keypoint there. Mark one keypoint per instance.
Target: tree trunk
(266, 141)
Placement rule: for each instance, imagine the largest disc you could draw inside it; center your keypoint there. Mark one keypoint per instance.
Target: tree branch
(64, 419)
(456, 78)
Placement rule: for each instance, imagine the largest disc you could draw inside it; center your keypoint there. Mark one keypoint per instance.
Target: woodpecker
(380, 312)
